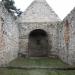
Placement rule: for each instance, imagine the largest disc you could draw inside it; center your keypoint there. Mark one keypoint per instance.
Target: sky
(61, 7)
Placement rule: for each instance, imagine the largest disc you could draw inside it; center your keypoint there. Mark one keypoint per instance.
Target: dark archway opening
(38, 43)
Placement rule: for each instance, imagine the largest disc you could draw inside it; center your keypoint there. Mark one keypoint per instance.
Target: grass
(36, 62)
(34, 72)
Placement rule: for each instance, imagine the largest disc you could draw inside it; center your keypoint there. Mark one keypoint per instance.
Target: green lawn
(34, 72)
(36, 62)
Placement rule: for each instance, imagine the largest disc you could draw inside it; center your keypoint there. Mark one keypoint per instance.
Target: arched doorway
(38, 43)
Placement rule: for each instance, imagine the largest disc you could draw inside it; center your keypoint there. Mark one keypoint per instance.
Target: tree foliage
(9, 5)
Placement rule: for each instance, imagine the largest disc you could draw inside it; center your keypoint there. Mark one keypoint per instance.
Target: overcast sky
(61, 7)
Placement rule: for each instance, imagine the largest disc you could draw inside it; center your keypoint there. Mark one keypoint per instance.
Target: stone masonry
(8, 37)
(37, 32)
(43, 18)
(67, 39)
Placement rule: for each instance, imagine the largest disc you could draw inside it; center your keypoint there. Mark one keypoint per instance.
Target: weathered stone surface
(15, 36)
(39, 11)
(8, 37)
(67, 41)
(50, 28)
(43, 18)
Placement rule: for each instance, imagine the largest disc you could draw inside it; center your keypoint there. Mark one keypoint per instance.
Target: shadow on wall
(38, 45)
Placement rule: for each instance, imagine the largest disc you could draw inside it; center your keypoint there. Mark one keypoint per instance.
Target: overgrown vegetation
(9, 5)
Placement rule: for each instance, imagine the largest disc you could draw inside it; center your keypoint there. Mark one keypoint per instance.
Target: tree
(9, 5)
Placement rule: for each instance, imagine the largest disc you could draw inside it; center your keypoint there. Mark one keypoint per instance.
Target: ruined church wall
(26, 28)
(62, 49)
(8, 37)
(67, 51)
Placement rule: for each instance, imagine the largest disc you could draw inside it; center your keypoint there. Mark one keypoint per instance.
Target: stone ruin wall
(8, 37)
(67, 39)
(61, 36)
(50, 28)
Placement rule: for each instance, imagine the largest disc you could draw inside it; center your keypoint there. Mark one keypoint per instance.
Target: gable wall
(26, 28)
(67, 49)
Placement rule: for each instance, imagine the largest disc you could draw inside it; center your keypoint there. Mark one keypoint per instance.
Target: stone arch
(38, 45)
